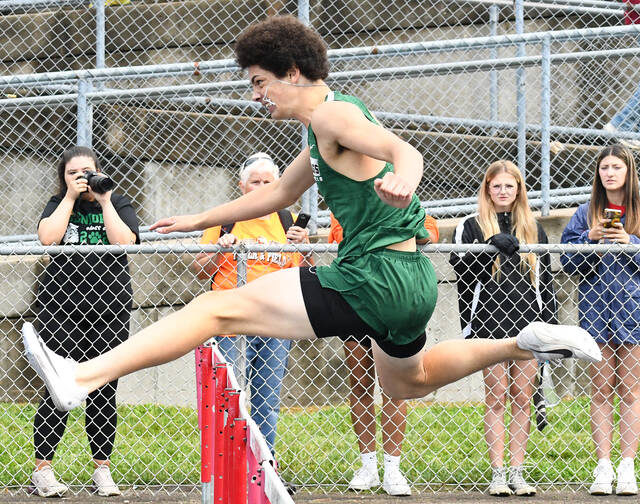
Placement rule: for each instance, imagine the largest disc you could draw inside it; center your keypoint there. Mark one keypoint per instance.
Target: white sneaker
(609, 128)
(518, 484)
(57, 372)
(551, 341)
(626, 484)
(45, 484)
(627, 142)
(603, 478)
(103, 482)
(364, 479)
(394, 482)
(498, 485)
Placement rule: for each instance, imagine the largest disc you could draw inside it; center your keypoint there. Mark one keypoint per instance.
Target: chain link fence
(152, 86)
(535, 83)
(157, 442)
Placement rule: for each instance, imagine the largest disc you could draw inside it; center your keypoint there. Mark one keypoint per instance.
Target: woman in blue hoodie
(609, 306)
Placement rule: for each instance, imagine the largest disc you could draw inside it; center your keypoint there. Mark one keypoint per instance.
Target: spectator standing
(266, 358)
(609, 309)
(393, 419)
(84, 308)
(498, 296)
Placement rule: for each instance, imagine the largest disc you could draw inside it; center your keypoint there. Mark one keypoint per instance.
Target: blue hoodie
(609, 288)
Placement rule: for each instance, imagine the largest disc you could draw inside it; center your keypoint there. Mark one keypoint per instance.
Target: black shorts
(331, 315)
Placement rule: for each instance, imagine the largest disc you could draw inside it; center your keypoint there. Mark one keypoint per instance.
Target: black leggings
(81, 335)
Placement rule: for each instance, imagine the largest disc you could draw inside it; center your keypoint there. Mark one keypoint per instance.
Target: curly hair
(281, 43)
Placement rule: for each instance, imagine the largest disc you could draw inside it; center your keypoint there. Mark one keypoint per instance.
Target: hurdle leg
(205, 421)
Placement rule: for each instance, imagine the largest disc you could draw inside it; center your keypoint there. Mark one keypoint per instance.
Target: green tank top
(368, 223)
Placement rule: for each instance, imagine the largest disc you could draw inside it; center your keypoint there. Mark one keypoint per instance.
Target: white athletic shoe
(45, 484)
(626, 481)
(603, 478)
(394, 482)
(498, 485)
(364, 479)
(518, 484)
(551, 341)
(627, 142)
(57, 372)
(103, 482)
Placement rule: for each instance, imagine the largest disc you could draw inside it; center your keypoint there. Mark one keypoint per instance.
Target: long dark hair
(631, 198)
(68, 155)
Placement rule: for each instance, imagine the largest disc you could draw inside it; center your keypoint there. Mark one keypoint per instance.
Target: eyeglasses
(498, 188)
(257, 157)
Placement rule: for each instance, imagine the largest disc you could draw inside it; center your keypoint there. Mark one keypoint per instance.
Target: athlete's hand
(393, 190)
(175, 223)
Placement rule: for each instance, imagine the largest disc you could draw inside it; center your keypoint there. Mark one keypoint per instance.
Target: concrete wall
(317, 372)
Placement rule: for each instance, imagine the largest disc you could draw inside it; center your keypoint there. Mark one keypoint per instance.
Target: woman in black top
(84, 306)
(499, 295)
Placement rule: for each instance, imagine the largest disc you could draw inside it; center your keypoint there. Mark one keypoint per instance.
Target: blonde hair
(522, 222)
(599, 198)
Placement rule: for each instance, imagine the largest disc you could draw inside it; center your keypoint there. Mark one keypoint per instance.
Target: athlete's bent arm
(285, 191)
(344, 126)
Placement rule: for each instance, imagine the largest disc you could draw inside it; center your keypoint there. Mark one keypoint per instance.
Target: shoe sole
(397, 493)
(40, 362)
(562, 340)
(105, 494)
(501, 494)
(524, 493)
(32, 490)
(362, 488)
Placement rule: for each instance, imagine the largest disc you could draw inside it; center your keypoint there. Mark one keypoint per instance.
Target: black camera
(98, 182)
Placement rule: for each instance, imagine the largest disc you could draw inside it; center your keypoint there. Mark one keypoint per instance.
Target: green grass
(161, 445)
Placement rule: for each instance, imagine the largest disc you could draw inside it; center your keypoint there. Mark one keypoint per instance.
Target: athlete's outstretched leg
(446, 362)
(270, 306)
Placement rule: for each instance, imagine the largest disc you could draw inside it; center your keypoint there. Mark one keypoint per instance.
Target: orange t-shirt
(259, 231)
(430, 224)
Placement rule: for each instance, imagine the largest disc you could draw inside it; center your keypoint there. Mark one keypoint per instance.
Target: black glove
(505, 243)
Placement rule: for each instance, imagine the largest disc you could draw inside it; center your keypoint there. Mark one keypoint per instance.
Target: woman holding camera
(84, 305)
(499, 295)
(609, 309)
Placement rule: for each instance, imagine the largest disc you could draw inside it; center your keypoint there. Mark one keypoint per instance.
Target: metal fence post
(100, 34)
(84, 115)
(493, 76)
(309, 200)
(240, 367)
(100, 39)
(545, 124)
(521, 105)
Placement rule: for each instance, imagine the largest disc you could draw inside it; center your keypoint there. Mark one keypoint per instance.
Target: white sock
(369, 461)
(391, 462)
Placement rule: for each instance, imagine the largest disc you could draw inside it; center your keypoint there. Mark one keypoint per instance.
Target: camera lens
(98, 182)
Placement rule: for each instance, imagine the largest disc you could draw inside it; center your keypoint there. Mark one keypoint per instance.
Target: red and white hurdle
(237, 466)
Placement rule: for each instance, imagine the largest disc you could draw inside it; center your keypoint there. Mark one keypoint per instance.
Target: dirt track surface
(19, 497)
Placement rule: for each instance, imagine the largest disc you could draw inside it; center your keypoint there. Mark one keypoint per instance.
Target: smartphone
(302, 220)
(614, 215)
